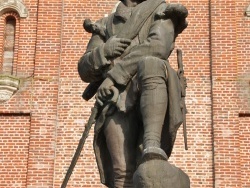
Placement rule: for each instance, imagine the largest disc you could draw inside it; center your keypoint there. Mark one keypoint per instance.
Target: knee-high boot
(153, 102)
(153, 109)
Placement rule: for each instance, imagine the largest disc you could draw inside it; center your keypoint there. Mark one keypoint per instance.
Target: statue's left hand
(104, 92)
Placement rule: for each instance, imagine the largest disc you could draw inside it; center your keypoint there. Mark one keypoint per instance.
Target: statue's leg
(152, 80)
(121, 134)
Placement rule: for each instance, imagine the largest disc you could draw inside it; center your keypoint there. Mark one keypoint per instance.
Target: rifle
(183, 83)
(94, 114)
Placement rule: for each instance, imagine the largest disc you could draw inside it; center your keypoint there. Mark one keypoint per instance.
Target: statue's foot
(153, 153)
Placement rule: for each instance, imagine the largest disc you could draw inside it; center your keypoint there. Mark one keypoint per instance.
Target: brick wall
(51, 40)
(14, 148)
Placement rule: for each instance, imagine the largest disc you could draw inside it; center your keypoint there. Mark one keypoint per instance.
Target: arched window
(11, 11)
(10, 14)
(9, 37)
(9, 44)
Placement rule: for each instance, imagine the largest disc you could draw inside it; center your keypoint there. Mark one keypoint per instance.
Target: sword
(91, 121)
(183, 84)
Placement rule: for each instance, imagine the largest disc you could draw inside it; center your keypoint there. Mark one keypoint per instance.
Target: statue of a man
(129, 50)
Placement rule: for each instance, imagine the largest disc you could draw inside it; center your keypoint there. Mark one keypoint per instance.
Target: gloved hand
(114, 47)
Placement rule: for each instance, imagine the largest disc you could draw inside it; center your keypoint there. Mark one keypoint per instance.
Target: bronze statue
(128, 51)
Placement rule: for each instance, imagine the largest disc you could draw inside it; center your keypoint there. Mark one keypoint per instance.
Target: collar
(123, 12)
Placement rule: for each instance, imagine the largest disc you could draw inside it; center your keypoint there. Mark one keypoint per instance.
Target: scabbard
(183, 94)
(184, 111)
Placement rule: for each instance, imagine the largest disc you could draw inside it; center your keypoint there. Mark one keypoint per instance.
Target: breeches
(121, 132)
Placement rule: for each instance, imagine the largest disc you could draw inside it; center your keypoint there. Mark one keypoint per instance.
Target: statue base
(157, 173)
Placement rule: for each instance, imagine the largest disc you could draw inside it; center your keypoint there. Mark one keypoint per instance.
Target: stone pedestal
(160, 174)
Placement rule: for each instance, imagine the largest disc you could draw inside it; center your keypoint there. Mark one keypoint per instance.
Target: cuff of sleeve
(119, 75)
(98, 57)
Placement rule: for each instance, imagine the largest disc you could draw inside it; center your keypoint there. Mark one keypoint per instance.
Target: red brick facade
(41, 124)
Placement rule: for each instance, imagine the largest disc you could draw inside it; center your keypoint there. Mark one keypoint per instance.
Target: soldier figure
(129, 51)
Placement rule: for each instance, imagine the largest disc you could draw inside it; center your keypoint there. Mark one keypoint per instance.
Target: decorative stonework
(10, 5)
(8, 86)
(248, 11)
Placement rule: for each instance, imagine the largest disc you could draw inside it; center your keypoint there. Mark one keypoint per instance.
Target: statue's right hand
(114, 47)
(104, 91)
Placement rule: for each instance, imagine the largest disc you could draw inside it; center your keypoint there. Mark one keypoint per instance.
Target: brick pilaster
(225, 108)
(45, 95)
